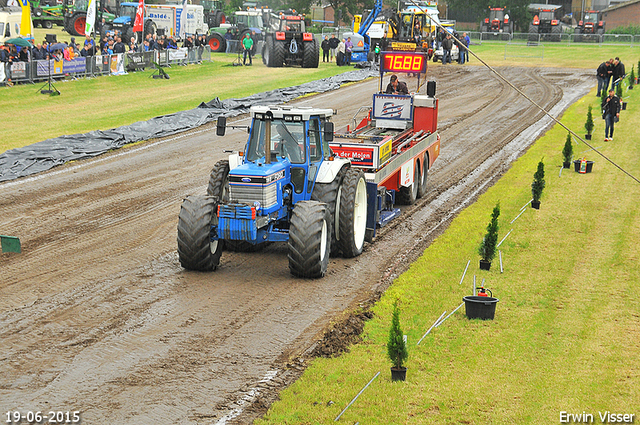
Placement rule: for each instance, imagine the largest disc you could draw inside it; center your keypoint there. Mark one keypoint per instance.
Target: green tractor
(46, 13)
(75, 15)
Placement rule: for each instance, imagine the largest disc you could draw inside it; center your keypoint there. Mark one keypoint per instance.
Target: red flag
(139, 22)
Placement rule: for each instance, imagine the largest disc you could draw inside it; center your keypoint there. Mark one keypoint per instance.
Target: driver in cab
(396, 87)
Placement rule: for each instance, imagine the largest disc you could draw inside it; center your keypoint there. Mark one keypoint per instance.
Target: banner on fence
(177, 54)
(57, 67)
(117, 64)
(2, 74)
(138, 60)
(19, 70)
(74, 65)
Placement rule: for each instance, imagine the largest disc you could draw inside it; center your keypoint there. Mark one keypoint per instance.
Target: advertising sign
(393, 107)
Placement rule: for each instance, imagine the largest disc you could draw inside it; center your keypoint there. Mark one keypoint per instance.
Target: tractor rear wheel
(329, 194)
(407, 195)
(422, 188)
(277, 55)
(309, 239)
(46, 24)
(217, 43)
(311, 54)
(196, 250)
(353, 213)
(533, 33)
(78, 23)
(219, 181)
(556, 33)
(577, 37)
(150, 27)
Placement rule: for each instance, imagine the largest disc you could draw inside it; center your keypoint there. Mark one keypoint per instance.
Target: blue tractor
(124, 22)
(287, 186)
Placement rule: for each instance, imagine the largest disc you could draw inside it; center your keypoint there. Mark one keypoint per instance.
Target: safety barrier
(602, 39)
(93, 66)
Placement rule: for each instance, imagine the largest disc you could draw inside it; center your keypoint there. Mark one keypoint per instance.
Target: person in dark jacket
(602, 74)
(325, 49)
(618, 72)
(333, 46)
(119, 46)
(610, 113)
(396, 87)
(447, 45)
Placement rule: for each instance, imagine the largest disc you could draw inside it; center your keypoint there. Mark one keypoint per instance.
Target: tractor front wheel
(309, 239)
(422, 188)
(353, 213)
(407, 195)
(196, 249)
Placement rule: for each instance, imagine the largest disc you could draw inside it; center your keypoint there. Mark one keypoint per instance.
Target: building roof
(620, 5)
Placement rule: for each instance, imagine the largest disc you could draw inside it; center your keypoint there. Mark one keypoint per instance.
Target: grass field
(112, 101)
(566, 336)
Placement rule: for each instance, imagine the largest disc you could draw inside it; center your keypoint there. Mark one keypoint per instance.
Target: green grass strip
(111, 101)
(566, 335)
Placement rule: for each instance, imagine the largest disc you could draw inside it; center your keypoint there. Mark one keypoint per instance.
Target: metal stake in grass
(525, 205)
(521, 212)
(432, 326)
(473, 290)
(465, 272)
(356, 397)
(500, 254)
(439, 323)
(505, 237)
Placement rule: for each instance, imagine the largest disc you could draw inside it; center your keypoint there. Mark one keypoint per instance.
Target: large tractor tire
(329, 194)
(150, 27)
(577, 37)
(217, 43)
(353, 213)
(279, 49)
(309, 239)
(128, 33)
(219, 181)
(533, 33)
(556, 33)
(311, 54)
(78, 23)
(407, 195)
(196, 250)
(484, 28)
(422, 188)
(46, 24)
(220, 18)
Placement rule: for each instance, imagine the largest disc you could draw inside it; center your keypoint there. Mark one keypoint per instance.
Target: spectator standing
(247, 45)
(602, 74)
(191, 54)
(447, 45)
(39, 53)
(333, 47)
(348, 47)
(464, 51)
(325, 49)
(24, 54)
(133, 45)
(610, 74)
(341, 53)
(69, 53)
(228, 37)
(118, 46)
(199, 46)
(88, 39)
(610, 113)
(87, 51)
(618, 71)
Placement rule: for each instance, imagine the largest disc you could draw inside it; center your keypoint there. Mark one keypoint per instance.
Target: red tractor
(545, 26)
(590, 27)
(497, 22)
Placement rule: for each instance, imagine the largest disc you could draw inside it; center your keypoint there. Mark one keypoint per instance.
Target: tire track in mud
(99, 316)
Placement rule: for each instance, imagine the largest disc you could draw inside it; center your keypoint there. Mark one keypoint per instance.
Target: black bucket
(576, 166)
(483, 308)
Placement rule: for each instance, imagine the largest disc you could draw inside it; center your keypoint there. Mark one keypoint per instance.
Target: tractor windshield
(287, 140)
(590, 17)
(292, 25)
(547, 15)
(129, 11)
(496, 14)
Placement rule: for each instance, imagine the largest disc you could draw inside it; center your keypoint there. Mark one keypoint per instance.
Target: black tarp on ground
(49, 153)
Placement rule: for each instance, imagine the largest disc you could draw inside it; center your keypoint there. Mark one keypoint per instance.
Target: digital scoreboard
(404, 62)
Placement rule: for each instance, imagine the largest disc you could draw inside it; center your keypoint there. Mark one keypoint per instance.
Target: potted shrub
(487, 248)
(537, 185)
(632, 78)
(396, 347)
(567, 152)
(589, 124)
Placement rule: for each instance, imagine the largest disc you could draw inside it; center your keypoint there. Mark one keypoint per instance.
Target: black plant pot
(576, 166)
(566, 165)
(535, 204)
(630, 87)
(477, 307)
(587, 136)
(624, 106)
(485, 265)
(399, 374)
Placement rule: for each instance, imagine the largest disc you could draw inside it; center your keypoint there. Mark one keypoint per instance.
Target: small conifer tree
(588, 125)
(538, 182)
(396, 347)
(567, 152)
(619, 91)
(487, 248)
(632, 77)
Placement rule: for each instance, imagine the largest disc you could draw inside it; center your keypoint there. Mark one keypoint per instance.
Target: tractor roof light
(581, 23)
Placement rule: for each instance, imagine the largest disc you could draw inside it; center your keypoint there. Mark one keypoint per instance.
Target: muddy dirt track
(97, 316)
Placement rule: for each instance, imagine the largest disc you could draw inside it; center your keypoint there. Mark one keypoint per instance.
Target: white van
(10, 19)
